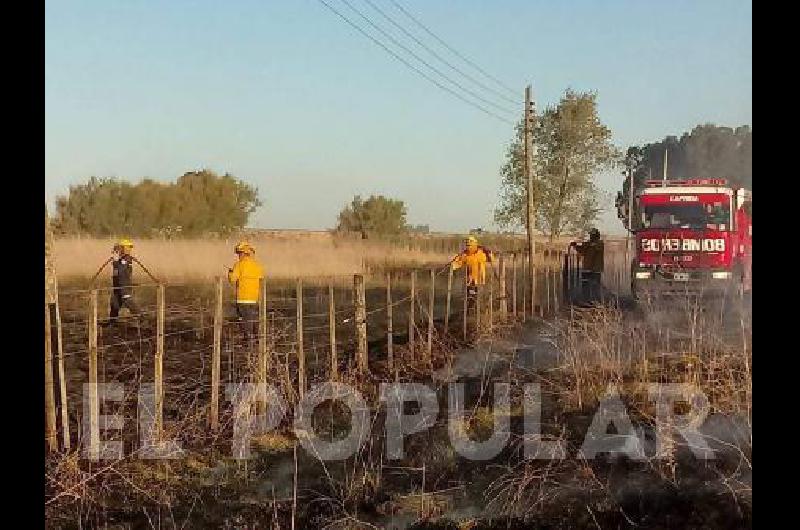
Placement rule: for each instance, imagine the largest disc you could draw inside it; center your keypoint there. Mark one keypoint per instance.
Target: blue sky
(288, 97)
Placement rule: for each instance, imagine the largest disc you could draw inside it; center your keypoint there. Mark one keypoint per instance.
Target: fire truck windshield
(695, 216)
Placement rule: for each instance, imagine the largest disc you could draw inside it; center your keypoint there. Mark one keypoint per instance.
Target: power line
(454, 51)
(433, 52)
(411, 66)
(423, 61)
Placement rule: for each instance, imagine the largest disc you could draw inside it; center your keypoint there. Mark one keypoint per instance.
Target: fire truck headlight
(721, 275)
(643, 275)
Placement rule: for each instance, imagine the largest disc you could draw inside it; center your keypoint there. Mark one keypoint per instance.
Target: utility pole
(531, 216)
(630, 198)
(629, 240)
(665, 165)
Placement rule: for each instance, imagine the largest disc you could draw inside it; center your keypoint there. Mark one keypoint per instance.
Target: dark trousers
(592, 286)
(247, 317)
(472, 296)
(120, 300)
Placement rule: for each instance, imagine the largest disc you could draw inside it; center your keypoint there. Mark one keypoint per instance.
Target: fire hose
(110, 259)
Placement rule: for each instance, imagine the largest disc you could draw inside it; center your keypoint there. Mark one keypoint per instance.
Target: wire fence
(188, 341)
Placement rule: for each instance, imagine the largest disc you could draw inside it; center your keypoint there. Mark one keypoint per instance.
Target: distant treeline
(376, 216)
(198, 203)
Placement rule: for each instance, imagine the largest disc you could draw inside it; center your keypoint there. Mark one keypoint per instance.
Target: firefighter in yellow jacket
(474, 257)
(246, 275)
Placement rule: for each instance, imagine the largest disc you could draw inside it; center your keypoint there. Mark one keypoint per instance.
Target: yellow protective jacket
(246, 275)
(475, 261)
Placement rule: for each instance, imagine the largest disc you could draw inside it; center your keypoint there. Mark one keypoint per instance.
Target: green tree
(378, 215)
(570, 145)
(214, 204)
(200, 202)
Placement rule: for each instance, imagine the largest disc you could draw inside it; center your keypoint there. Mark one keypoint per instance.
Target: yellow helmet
(471, 241)
(244, 247)
(124, 243)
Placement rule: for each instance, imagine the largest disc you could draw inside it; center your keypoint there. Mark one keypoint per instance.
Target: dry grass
(179, 261)
(285, 254)
(707, 346)
(681, 341)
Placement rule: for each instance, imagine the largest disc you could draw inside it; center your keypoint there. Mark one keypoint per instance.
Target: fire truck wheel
(747, 280)
(737, 286)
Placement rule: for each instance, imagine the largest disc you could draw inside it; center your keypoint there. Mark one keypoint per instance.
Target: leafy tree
(571, 144)
(707, 151)
(378, 215)
(199, 202)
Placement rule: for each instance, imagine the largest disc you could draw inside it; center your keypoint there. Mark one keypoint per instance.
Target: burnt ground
(505, 492)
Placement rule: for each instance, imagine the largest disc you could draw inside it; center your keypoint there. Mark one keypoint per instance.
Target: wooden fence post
(431, 299)
(411, 303)
(556, 285)
(547, 273)
(49, 395)
(62, 380)
(514, 285)
(447, 303)
(568, 276)
(562, 280)
(539, 295)
(199, 333)
(389, 324)
(573, 269)
(466, 303)
(361, 323)
(94, 402)
(478, 299)
(216, 356)
(525, 286)
(301, 354)
(158, 362)
(49, 299)
(575, 275)
(502, 288)
(263, 348)
(332, 333)
(52, 313)
(263, 341)
(534, 290)
(491, 303)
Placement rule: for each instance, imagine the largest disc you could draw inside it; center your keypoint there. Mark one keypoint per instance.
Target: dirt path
(530, 347)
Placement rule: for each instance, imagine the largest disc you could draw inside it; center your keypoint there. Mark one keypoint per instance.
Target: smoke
(708, 151)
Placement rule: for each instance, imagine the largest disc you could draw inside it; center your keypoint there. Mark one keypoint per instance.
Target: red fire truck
(692, 235)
